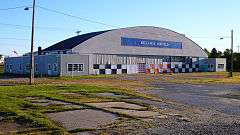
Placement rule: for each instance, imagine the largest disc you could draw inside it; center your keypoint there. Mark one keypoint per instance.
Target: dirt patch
(81, 119)
(11, 127)
(117, 105)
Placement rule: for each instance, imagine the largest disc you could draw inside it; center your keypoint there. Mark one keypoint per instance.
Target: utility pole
(231, 70)
(31, 78)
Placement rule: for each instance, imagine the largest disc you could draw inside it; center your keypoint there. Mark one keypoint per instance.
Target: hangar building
(142, 49)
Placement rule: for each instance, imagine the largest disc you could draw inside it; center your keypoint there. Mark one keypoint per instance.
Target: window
(75, 67)
(80, 67)
(70, 67)
(36, 67)
(20, 66)
(28, 67)
(10, 67)
(55, 67)
(220, 66)
(49, 67)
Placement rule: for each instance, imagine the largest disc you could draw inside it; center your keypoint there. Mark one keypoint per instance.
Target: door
(49, 70)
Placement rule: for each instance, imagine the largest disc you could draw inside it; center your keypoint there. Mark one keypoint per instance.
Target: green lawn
(15, 107)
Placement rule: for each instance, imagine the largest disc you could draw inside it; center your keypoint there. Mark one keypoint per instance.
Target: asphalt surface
(208, 109)
(219, 97)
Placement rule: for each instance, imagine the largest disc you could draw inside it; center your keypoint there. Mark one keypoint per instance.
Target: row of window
(219, 66)
(52, 67)
(70, 67)
(75, 67)
(27, 67)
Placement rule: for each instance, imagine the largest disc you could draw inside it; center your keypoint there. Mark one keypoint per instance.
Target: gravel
(205, 96)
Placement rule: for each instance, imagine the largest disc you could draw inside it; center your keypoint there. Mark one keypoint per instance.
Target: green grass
(66, 78)
(15, 107)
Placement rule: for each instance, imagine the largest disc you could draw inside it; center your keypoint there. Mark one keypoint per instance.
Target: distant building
(142, 49)
(2, 60)
(213, 65)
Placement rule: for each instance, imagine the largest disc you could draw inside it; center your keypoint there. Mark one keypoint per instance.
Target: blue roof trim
(73, 41)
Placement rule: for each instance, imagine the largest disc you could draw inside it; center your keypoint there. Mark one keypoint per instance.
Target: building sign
(150, 43)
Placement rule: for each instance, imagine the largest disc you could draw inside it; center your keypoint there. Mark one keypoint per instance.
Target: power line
(24, 39)
(12, 8)
(14, 38)
(105, 24)
(40, 27)
(77, 17)
(89, 20)
(205, 37)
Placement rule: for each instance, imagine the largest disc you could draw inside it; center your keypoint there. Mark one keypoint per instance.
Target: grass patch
(15, 106)
(69, 78)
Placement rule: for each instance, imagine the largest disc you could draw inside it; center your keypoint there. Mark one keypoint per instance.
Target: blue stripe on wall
(150, 43)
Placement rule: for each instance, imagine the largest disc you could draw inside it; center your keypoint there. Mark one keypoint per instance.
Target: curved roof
(109, 42)
(73, 41)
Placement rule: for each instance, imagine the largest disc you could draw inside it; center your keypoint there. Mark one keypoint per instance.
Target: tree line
(214, 53)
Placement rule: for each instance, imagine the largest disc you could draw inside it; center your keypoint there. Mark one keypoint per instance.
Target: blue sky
(204, 21)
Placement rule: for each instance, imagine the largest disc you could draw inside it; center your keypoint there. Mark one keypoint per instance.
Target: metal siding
(42, 62)
(125, 59)
(74, 58)
(110, 43)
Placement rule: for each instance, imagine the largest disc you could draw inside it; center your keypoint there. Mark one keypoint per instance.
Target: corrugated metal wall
(125, 59)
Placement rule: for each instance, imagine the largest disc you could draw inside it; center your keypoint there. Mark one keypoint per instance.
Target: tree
(214, 53)
(219, 54)
(227, 55)
(236, 63)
